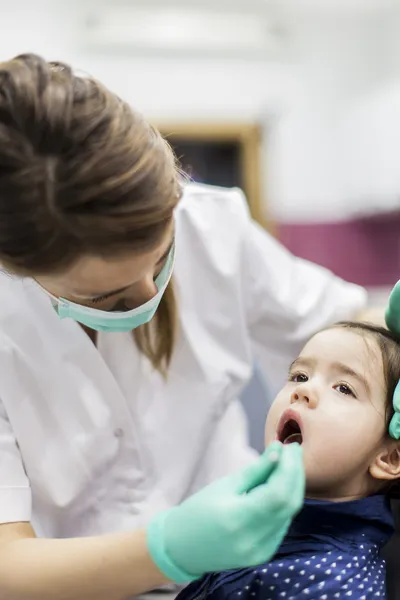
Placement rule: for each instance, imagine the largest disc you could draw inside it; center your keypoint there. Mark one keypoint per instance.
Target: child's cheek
(271, 424)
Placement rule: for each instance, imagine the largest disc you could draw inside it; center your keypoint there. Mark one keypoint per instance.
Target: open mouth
(289, 429)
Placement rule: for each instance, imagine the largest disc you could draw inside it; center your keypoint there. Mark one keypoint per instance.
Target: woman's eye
(342, 388)
(298, 377)
(99, 299)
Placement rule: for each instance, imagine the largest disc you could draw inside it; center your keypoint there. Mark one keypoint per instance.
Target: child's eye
(298, 377)
(343, 388)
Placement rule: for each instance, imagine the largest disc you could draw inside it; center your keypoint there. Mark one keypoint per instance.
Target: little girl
(339, 403)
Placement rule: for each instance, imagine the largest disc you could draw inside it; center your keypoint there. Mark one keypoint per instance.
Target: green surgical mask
(102, 320)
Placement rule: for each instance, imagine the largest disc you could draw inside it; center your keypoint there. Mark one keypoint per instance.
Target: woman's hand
(236, 522)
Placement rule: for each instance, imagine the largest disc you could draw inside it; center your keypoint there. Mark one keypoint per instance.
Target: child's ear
(386, 465)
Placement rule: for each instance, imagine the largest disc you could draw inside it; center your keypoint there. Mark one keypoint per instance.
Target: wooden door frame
(247, 135)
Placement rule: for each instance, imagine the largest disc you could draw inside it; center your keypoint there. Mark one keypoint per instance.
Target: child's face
(335, 397)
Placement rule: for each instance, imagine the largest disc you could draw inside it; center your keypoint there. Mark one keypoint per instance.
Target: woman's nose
(144, 291)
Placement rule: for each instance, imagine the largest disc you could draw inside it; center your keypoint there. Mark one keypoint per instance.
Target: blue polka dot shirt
(331, 551)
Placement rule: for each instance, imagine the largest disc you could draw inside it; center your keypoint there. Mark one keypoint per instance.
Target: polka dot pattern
(320, 576)
(332, 551)
(324, 576)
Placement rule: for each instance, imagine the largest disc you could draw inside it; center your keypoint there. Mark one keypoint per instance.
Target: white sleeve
(15, 493)
(228, 450)
(288, 299)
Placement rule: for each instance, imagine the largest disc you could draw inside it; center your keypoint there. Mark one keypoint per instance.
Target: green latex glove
(238, 521)
(392, 315)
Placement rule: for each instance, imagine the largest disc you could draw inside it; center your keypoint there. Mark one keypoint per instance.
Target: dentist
(132, 306)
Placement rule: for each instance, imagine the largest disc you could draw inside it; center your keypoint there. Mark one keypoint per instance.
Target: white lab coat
(92, 440)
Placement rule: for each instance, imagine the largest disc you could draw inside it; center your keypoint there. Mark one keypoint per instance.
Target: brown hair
(389, 346)
(81, 172)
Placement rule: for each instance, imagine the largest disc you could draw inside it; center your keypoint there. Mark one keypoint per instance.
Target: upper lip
(288, 415)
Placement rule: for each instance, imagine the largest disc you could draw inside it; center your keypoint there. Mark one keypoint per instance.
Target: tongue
(293, 438)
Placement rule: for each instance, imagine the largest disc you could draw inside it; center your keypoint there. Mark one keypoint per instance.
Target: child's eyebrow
(305, 362)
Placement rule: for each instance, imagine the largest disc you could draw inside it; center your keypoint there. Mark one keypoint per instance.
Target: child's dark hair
(389, 345)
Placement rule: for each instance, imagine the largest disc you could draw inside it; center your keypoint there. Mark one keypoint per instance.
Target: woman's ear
(386, 465)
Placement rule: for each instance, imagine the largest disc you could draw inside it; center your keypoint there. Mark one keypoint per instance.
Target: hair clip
(394, 425)
(392, 314)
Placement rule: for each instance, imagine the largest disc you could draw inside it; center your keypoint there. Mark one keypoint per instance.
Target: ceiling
(257, 27)
(317, 6)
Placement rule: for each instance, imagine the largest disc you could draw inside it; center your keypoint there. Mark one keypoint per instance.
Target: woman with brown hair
(119, 384)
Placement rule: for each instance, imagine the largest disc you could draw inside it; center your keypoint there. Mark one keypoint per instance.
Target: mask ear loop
(394, 425)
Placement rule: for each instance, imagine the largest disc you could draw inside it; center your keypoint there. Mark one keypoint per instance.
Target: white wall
(43, 26)
(193, 89)
(334, 153)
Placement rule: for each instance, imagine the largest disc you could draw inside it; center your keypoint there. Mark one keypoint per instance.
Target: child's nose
(304, 394)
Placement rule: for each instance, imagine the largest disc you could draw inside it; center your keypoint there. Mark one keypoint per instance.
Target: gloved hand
(238, 521)
(392, 314)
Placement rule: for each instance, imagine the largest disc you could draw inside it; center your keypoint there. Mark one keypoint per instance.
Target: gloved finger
(266, 541)
(392, 314)
(284, 490)
(259, 471)
(271, 539)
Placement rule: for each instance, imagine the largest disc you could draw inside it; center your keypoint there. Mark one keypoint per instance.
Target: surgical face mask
(102, 320)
